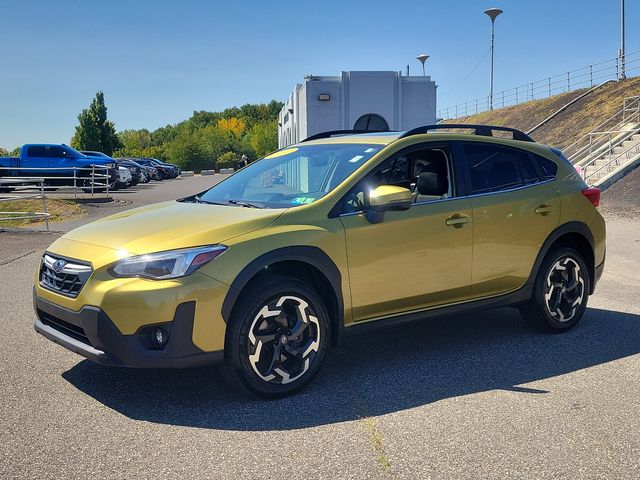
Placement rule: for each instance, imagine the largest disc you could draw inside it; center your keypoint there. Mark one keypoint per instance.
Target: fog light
(159, 337)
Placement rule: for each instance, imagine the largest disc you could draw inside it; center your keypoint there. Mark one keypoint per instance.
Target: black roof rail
(484, 130)
(333, 133)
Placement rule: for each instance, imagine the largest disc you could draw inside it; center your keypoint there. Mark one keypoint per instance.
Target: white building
(357, 101)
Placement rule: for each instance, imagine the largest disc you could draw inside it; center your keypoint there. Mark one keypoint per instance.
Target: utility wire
(469, 74)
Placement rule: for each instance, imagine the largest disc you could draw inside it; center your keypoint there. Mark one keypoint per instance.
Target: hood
(170, 225)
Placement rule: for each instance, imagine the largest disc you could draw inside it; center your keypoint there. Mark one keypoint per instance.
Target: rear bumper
(91, 334)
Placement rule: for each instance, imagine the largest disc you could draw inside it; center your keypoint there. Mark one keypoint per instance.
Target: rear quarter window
(549, 167)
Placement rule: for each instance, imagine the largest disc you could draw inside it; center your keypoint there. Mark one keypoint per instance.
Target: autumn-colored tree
(232, 124)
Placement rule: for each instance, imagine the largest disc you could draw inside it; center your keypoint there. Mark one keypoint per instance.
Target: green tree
(4, 152)
(95, 131)
(132, 140)
(203, 138)
(87, 136)
(188, 151)
(264, 138)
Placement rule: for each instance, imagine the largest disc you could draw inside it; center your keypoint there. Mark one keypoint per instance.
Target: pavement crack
(377, 441)
(11, 260)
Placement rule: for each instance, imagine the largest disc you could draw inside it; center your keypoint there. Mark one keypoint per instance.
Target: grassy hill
(569, 125)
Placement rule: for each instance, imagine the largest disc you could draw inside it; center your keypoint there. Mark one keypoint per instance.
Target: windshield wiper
(241, 203)
(197, 199)
(238, 203)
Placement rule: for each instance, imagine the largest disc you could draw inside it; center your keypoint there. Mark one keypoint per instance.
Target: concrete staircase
(612, 149)
(614, 164)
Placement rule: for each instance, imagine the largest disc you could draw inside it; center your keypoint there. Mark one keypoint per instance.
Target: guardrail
(39, 183)
(584, 77)
(91, 180)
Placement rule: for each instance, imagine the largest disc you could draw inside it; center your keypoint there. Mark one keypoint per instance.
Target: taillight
(593, 194)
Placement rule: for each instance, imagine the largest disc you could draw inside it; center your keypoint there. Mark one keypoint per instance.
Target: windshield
(96, 154)
(72, 152)
(291, 177)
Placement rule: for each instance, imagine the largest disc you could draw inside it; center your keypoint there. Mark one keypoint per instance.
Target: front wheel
(560, 292)
(278, 335)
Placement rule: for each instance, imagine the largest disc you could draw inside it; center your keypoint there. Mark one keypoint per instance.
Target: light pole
(493, 14)
(423, 58)
(623, 74)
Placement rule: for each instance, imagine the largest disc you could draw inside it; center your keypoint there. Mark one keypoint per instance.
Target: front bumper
(91, 334)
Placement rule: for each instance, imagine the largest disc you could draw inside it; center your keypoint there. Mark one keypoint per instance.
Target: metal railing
(91, 180)
(24, 215)
(608, 134)
(613, 162)
(584, 77)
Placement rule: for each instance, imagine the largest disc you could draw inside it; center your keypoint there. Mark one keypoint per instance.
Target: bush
(227, 160)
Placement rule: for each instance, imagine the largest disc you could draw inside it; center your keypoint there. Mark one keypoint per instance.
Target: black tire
(560, 293)
(280, 366)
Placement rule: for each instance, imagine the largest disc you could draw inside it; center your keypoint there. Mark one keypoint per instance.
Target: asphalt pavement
(478, 396)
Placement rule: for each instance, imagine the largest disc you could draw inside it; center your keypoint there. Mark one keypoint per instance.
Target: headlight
(165, 265)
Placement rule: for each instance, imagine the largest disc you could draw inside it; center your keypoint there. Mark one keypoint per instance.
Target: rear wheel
(560, 292)
(278, 334)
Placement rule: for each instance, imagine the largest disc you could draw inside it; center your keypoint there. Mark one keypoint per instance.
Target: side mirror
(387, 198)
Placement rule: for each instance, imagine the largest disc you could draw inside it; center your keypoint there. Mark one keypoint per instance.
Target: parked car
(172, 167)
(163, 171)
(137, 171)
(124, 177)
(59, 163)
(333, 236)
(152, 172)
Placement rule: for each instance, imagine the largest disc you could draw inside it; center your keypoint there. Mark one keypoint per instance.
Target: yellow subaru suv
(339, 234)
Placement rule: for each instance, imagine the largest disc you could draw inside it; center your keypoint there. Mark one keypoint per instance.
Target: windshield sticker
(357, 158)
(369, 150)
(302, 200)
(282, 153)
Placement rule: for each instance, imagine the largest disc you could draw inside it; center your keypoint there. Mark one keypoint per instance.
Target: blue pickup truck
(59, 163)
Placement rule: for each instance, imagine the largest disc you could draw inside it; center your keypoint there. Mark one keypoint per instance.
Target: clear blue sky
(157, 61)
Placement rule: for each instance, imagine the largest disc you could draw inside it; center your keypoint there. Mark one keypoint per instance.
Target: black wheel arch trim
(313, 256)
(564, 229)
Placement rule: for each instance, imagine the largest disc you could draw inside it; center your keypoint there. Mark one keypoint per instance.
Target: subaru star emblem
(59, 265)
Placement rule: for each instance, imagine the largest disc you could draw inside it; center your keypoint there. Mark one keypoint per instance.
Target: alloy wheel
(564, 289)
(284, 339)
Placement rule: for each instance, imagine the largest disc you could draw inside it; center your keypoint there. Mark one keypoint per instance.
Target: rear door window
(493, 168)
(56, 152)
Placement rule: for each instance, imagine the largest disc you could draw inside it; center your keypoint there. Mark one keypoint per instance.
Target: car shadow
(373, 374)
